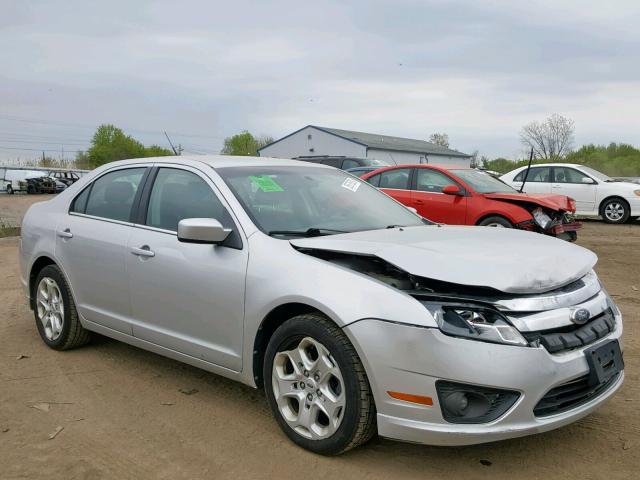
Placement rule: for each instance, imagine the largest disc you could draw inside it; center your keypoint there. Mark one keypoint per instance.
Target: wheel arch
(612, 197)
(276, 317)
(495, 214)
(36, 268)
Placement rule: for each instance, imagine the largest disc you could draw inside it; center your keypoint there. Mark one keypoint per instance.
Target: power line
(16, 118)
(39, 150)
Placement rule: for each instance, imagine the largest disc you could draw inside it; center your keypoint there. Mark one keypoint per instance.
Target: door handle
(66, 233)
(418, 202)
(143, 251)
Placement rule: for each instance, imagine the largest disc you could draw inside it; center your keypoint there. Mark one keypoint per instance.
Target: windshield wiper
(309, 232)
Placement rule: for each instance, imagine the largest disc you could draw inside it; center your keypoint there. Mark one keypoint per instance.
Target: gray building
(313, 140)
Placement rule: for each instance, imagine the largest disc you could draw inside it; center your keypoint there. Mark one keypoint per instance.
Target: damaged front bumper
(548, 390)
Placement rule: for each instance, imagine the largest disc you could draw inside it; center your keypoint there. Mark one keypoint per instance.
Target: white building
(317, 141)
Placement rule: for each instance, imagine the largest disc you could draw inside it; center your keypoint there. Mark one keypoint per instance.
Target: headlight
(637, 192)
(542, 218)
(475, 322)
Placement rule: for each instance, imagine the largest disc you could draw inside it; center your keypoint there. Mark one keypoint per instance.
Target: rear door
(431, 203)
(396, 183)
(568, 181)
(187, 297)
(538, 180)
(91, 246)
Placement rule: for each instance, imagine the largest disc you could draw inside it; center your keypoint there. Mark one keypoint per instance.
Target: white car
(594, 192)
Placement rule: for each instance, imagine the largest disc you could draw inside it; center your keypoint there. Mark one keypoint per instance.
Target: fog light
(461, 403)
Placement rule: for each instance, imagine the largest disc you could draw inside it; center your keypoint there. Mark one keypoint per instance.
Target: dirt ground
(13, 207)
(124, 413)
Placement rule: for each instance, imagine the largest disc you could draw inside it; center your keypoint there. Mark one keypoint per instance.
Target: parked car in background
(466, 196)
(29, 181)
(594, 192)
(343, 163)
(357, 316)
(360, 171)
(67, 177)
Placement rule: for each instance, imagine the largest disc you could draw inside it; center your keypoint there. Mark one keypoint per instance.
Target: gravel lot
(124, 413)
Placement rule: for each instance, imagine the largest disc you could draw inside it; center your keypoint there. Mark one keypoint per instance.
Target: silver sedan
(356, 316)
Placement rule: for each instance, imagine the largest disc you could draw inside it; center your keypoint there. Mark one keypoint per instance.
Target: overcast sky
(204, 70)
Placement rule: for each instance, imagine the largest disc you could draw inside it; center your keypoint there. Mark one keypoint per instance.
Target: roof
(221, 161)
(384, 142)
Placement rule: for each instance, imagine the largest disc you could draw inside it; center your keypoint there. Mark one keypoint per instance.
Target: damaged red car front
(466, 196)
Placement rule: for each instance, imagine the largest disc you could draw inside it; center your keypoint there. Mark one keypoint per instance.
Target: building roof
(385, 142)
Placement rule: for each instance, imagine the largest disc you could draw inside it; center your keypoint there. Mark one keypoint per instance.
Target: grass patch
(9, 232)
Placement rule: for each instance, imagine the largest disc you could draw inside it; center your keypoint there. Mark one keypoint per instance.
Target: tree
(551, 139)
(244, 144)
(110, 143)
(441, 139)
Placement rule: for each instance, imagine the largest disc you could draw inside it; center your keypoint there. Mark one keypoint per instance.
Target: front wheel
(316, 386)
(615, 210)
(495, 221)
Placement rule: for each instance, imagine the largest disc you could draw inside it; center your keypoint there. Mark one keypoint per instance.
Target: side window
(112, 195)
(178, 194)
(80, 202)
(432, 181)
(567, 175)
(375, 180)
(398, 179)
(536, 174)
(348, 163)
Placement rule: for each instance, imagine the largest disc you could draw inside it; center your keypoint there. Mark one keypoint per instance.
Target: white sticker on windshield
(351, 184)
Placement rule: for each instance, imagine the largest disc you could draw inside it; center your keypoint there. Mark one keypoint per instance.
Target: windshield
(597, 175)
(309, 201)
(482, 182)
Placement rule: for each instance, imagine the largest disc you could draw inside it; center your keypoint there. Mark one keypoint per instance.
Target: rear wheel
(317, 387)
(615, 210)
(9, 189)
(55, 311)
(495, 221)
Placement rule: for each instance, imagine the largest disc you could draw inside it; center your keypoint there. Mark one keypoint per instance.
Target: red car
(466, 196)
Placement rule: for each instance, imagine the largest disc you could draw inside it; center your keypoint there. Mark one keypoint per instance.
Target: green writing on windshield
(266, 183)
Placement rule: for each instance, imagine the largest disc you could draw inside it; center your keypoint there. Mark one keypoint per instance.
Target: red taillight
(572, 205)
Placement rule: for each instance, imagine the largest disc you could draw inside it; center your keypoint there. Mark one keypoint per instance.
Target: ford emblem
(580, 316)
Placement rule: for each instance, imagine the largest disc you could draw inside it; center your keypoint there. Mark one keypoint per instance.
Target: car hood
(507, 260)
(553, 202)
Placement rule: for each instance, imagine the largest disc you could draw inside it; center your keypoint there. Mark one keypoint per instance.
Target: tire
(62, 329)
(343, 414)
(615, 210)
(31, 189)
(9, 189)
(495, 221)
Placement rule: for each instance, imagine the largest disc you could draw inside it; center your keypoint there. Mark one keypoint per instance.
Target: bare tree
(441, 139)
(551, 139)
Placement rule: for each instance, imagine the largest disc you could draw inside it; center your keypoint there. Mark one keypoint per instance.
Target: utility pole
(177, 151)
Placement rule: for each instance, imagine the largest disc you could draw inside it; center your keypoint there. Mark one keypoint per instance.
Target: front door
(184, 296)
(568, 181)
(431, 203)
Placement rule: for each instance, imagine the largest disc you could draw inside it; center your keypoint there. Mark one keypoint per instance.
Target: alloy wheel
(614, 211)
(309, 389)
(50, 308)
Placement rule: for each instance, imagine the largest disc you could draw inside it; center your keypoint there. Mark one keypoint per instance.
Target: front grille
(574, 336)
(570, 395)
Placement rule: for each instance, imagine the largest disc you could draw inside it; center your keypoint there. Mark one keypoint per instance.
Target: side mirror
(202, 230)
(588, 180)
(452, 190)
